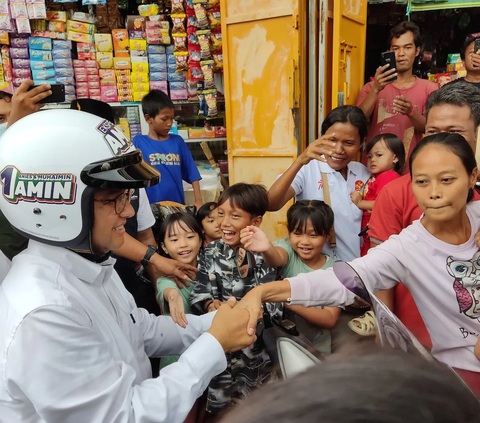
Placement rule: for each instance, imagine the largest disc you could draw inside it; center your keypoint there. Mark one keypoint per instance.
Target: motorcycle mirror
(391, 330)
(244, 261)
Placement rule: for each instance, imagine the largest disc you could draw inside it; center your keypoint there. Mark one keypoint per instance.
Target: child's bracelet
(207, 304)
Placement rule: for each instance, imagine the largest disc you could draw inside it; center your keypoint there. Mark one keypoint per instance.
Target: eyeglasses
(120, 200)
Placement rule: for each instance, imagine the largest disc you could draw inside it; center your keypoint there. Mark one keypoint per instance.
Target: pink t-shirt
(444, 280)
(386, 120)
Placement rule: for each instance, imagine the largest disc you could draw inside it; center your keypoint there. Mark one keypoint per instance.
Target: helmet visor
(120, 172)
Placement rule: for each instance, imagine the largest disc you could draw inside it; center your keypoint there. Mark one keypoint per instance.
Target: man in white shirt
(73, 345)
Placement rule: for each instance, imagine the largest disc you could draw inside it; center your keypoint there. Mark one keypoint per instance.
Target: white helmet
(52, 161)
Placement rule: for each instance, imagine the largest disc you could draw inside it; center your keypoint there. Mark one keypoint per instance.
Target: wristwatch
(151, 250)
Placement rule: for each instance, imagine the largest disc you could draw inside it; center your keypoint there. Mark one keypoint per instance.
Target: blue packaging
(70, 98)
(155, 49)
(69, 90)
(170, 49)
(41, 82)
(176, 77)
(41, 65)
(63, 63)
(158, 76)
(40, 55)
(136, 35)
(59, 72)
(171, 59)
(172, 67)
(65, 80)
(37, 43)
(61, 54)
(62, 45)
(43, 74)
(158, 67)
(157, 58)
(178, 85)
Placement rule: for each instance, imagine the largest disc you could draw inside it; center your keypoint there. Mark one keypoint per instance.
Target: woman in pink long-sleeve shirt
(436, 258)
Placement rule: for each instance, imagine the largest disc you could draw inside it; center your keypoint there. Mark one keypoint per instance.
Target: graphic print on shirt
(170, 159)
(466, 284)
(52, 188)
(359, 185)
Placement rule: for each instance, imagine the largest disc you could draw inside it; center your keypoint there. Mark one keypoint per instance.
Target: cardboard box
(103, 42)
(105, 60)
(122, 63)
(138, 44)
(196, 133)
(120, 39)
(83, 27)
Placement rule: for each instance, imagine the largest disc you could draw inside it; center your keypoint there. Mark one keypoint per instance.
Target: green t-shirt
(321, 338)
(162, 284)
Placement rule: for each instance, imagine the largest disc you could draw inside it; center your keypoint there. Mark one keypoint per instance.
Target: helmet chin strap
(86, 250)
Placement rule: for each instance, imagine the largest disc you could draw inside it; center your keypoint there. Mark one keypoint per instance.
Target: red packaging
(91, 64)
(82, 92)
(92, 71)
(94, 91)
(86, 56)
(78, 63)
(93, 78)
(96, 97)
(94, 85)
(220, 131)
(82, 85)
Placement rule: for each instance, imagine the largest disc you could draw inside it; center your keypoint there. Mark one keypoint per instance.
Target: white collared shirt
(348, 217)
(73, 346)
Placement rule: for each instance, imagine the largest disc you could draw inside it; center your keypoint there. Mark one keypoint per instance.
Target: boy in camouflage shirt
(239, 206)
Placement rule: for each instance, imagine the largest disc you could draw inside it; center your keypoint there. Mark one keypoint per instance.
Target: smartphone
(57, 96)
(388, 58)
(477, 45)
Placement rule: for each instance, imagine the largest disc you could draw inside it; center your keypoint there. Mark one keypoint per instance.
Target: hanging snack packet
(203, 109)
(218, 62)
(204, 41)
(207, 69)
(212, 4)
(192, 35)
(214, 18)
(177, 7)
(216, 39)
(211, 100)
(201, 14)
(196, 73)
(194, 52)
(180, 42)
(181, 61)
(178, 24)
(191, 22)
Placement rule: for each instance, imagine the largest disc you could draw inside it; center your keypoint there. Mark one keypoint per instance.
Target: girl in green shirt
(182, 239)
(310, 224)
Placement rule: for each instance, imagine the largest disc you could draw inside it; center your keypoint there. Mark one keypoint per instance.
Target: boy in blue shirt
(166, 152)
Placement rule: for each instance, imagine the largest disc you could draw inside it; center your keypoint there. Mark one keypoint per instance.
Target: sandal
(365, 325)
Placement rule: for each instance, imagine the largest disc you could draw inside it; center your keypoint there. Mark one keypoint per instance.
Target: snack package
(194, 53)
(180, 42)
(138, 96)
(182, 62)
(94, 92)
(70, 98)
(91, 71)
(19, 42)
(64, 72)
(176, 77)
(80, 37)
(82, 92)
(218, 62)
(39, 65)
(87, 56)
(63, 63)
(93, 78)
(140, 67)
(138, 53)
(123, 88)
(159, 76)
(158, 67)
(23, 25)
(170, 49)
(83, 27)
(204, 41)
(199, 6)
(57, 26)
(85, 48)
(139, 59)
(95, 85)
(178, 94)
(140, 86)
(4, 7)
(216, 41)
(20, 53)
(207, 69)
(192, 89)
(196, 73)
(159, 85)
(122, 73)
(44, 74)
(91, 64)
(69, 90)
(177, 7)
(138, 44)
(155, 49)
(211, 100)
(106, 74)
(103, 43)
(61, 45)
(4, 38)
(120, 39)
(158, 58)
(122, 63)
(148, 9)
(18, 81)
(202, 109)
(22, 73)
(178, 24)
(80, 77)
(125, 79)
(178, 85)
(61, 54)
(136, 35)
(53, 15)
(214, 18)
(165, 25)
(18, 10)
(105, 60)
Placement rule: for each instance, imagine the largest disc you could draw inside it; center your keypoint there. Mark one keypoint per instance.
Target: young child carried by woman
(385, 160)
(310, 223)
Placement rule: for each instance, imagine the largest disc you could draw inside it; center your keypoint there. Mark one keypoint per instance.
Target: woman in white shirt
(436, 258)
(334, 154)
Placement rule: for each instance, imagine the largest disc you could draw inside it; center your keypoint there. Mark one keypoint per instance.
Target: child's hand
(477, 350)
(356, 197)
(214, 305)
(177, 309)
(254, 239)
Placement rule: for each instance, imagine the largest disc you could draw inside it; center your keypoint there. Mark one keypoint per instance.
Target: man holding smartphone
(395, 100)
(470, 54)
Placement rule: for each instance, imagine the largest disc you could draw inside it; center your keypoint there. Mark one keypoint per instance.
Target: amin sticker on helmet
(53, 188)
(116, 140)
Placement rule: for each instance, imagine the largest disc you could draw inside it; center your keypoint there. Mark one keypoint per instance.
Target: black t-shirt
(464, 81)
(11, 242)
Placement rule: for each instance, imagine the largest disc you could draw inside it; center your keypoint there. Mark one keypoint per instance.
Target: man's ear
(257, 221)
(417, 52)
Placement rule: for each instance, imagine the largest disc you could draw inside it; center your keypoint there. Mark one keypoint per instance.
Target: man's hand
(475, 59)
(26, 102)
(324, 146)
(214, 305)
(172, 269)
(356, 197)
(402, 105)
(229, 327)
(382, 78)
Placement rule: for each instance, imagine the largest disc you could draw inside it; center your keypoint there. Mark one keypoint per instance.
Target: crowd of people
(106, 318)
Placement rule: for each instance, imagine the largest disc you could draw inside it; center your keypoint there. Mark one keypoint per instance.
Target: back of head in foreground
(52, 163)
(376, 388)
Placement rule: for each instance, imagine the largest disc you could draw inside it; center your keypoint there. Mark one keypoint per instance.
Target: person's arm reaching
(369, 95)
(26, 102)
(282, 191)
(324, 318)
(198, 194)
(255, 240)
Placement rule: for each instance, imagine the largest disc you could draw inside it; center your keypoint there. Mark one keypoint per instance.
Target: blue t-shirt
(173, 160)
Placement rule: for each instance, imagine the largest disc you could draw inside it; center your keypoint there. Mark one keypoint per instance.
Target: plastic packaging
(182, 62)
(83, 27)
(204, 41)
(157, 58)
(22, 63)
(63, 63)
(180, 42)
(61, 45)
(38, 65)
(177, 7)
(20, 53)
(158, 76)
(216, 41)
(148, 9)
(178, 24)
(207, 69)
(199, 7)
(103, 42)
(48, 74)
(67, 72)
(155, 49)
(61, 54)
(158, 67)
(69, 90)
(19, 42)
(22, 73)
(176, 77)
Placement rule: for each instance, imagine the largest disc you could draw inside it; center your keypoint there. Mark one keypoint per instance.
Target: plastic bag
(180, 42)
(177, 7)
(218, 63)
(214, 18)
(216, 42)
(211, 100)
(178, 24)
(201, 13)
(182, 61)
(207, 69)
(204, 41)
